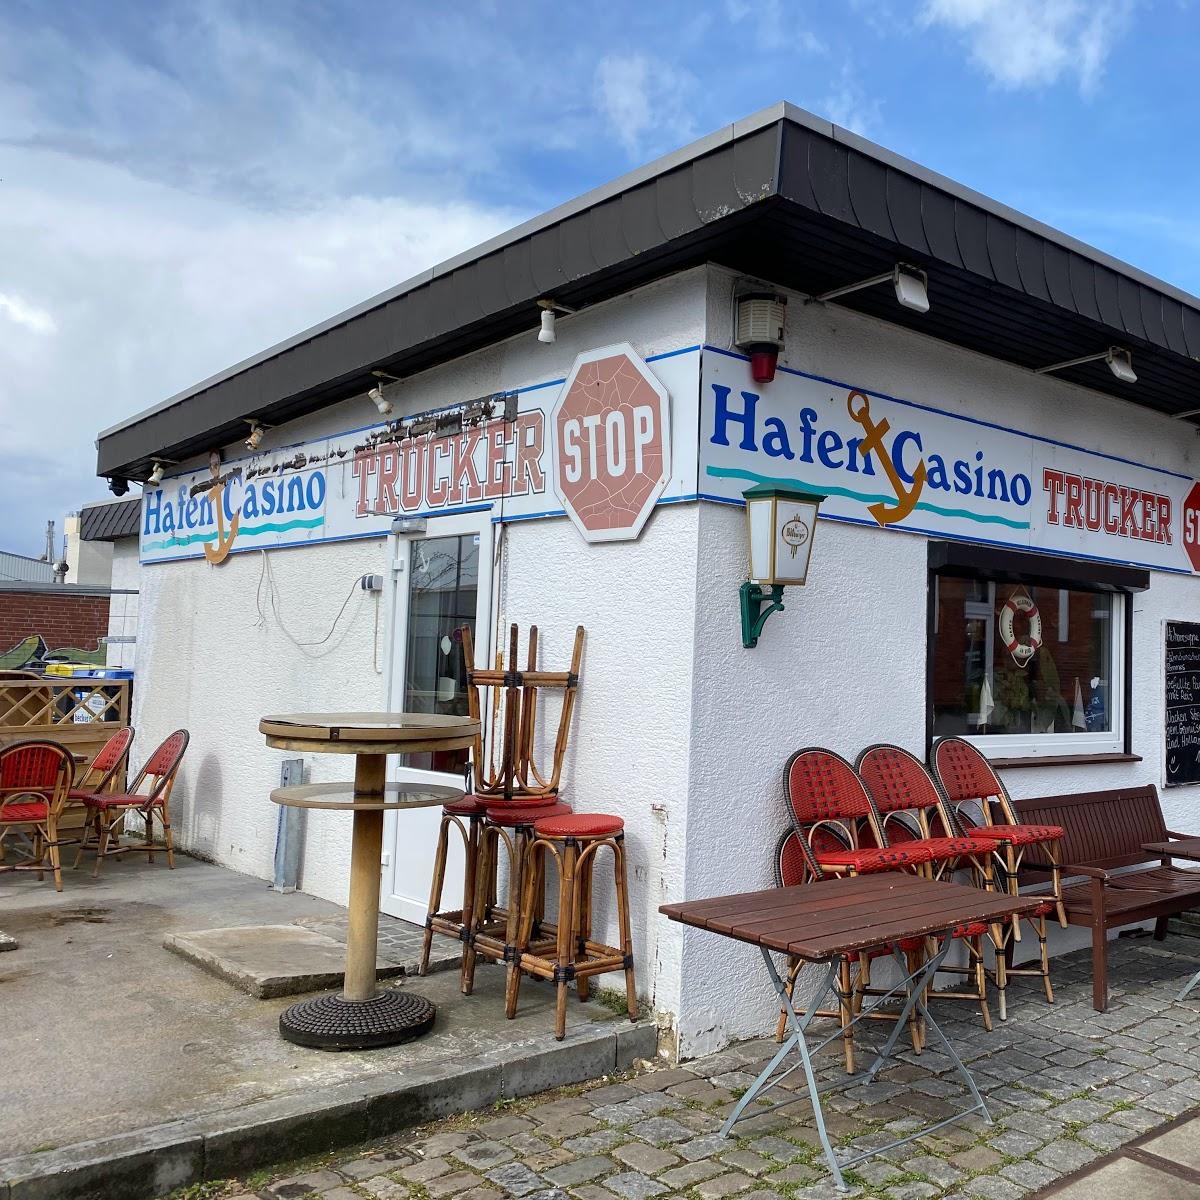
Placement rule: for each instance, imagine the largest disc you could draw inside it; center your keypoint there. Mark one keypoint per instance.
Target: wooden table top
(368, 732)
(817, 921)
(341, 796)
(1182, 848)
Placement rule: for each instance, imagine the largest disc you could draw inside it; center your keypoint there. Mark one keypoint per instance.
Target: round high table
(364, 1015)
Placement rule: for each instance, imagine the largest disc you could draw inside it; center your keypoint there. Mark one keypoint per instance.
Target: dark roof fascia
(63, 589)
(686, 208)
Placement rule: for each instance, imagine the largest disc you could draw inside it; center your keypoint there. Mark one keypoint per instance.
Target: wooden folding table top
(1180, 848)
(817, 921)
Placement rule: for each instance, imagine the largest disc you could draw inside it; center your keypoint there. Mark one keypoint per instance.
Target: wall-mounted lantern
(780, 523)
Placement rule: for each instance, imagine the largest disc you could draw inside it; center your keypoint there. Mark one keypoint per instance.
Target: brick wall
(59, 619)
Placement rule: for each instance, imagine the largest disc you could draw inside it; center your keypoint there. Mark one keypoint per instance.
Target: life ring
(1022, 652)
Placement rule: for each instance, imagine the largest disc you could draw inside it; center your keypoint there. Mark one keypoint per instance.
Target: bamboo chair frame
(572, 956)
(106, 765)
(961, 794)
(42, 783)
(504, 702)
(162, 769)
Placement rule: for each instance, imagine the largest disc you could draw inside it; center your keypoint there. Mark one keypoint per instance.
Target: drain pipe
(289, 832)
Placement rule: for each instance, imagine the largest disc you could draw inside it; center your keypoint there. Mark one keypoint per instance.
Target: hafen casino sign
(902, 465)
(595, 447)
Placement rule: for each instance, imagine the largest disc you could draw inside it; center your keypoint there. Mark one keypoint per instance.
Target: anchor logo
(220, 552)
(907, 495)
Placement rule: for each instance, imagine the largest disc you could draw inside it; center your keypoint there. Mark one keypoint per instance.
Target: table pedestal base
(334, 1023)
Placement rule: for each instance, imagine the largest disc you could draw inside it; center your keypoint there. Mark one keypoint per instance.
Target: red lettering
(1052, 482)
(437, 486)
(1093, 491)
(365, 464)
(1073, 513)
(389, 469)
(530, 436)
(1129, 525)
(412, 488)
(1164, 519)
(499, 469)
(465, 487)
(1112, 505)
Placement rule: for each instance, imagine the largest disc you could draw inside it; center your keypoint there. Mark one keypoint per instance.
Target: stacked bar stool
(508, 783)
(571, 956)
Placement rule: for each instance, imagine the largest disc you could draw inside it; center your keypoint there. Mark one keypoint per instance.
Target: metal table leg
(914, 984)
(1187, 987)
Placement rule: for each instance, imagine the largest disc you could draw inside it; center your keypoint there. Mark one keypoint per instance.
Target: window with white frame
(1025, 670)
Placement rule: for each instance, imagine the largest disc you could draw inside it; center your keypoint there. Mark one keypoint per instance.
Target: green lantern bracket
(754, 615)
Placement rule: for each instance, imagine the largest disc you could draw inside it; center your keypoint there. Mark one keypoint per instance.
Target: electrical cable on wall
(266, 578)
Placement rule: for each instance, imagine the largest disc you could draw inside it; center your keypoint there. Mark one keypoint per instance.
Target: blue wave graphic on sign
(864, 497)
(244, 531)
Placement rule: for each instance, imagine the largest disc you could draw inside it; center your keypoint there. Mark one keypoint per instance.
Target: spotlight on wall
(911, 286)
(1119, 360)
(550, 309)
(256, 435)
(157, 474)
(381, 402)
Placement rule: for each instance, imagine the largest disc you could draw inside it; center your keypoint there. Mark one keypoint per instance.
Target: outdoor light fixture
(911, 285)
(780, 523)
(760, 319)
(381, 402)
(256, 435)
(117, 486)
(157, 474)
(549, 309)
(1120, 363)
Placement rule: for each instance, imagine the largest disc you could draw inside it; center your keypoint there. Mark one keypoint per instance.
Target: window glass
(1024, 662)
(443, 586)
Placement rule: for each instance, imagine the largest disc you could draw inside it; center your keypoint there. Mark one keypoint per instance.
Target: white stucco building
(1073, 488)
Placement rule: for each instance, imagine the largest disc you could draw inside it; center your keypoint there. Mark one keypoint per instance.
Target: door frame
(399, 558)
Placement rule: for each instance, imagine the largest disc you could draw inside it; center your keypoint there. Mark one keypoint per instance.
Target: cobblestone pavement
(1064, 1084)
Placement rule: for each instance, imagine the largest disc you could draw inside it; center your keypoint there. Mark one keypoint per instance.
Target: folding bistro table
(826, 922)
(1186, 848)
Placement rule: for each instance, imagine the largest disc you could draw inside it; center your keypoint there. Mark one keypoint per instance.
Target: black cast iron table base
(334, 1023)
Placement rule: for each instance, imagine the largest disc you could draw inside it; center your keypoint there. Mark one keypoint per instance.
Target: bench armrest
(1088, 872)
(1181, 837)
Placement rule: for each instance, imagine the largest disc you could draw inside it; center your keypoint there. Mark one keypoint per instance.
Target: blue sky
(181, 185)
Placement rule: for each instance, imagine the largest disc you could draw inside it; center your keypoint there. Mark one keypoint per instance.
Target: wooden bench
(1105, 833)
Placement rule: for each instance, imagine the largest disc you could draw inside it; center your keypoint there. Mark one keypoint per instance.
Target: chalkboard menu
(1183, 703)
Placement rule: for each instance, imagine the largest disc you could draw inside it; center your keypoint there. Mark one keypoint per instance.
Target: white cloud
(772, 24)
(1035, 43)
(157, 237)
(29, 316)
(847, 105)
(645, 100)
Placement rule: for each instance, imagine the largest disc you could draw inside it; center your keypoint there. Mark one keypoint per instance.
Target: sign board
(352, 484)
(906, 465)
(1182, 659)
(612, 443)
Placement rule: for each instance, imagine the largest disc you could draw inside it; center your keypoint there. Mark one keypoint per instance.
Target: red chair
(107, 810)
(35, 778)
(831, 810)
(101, 773)
(912, 812)
(966, 777)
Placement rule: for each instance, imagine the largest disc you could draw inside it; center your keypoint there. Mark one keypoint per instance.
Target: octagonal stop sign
(1191, 526)
(612, 443)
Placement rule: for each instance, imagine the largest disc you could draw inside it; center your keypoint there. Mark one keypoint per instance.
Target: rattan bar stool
(492, 930)
(574, 841)
(503, 769)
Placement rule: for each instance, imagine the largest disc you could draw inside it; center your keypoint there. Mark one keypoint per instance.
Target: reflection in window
(1024, 662)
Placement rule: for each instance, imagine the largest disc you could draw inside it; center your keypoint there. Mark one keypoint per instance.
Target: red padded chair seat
(512, 815)
(468, 806)
(1020, 835)
(121, 800)
(874, 858)
(79, 794)
(970, 930)
(942, 848)
(579, 825)
(12, 814)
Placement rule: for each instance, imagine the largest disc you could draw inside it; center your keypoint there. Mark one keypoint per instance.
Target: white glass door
(441, 581)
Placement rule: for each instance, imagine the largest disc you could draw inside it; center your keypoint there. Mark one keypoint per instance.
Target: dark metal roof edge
(62, 589)
(597, 195)
(108, 521)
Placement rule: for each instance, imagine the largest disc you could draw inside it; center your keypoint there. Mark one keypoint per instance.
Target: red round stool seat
(468, 806)
(512, 815)
(578, 825)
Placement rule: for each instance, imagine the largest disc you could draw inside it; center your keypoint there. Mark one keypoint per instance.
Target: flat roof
(783, 196)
